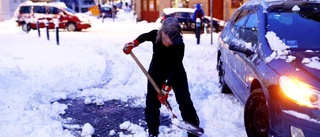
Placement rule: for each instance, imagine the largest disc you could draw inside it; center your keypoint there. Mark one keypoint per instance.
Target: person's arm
(202, 13)
(149, 36)
(194, 16)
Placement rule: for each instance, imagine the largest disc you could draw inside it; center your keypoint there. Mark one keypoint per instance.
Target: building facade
(7, 8)
(148, 10)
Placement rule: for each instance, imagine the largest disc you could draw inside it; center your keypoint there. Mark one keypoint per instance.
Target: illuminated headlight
(300, 92)
(296, 132)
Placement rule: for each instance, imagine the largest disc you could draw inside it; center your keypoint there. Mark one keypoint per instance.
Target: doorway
(150, 10)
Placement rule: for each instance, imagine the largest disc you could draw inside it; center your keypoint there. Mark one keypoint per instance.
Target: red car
(29, 13)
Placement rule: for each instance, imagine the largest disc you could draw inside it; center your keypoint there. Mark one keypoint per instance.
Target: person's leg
(152, 112)
(188, 112)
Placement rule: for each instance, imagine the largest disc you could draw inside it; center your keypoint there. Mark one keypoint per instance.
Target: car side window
(39, 9)
(250, 33)
(239, 22)
(188, 15)
(252, 21)
(225, 32)
(54, 10)
(25, 9)
(178, 15)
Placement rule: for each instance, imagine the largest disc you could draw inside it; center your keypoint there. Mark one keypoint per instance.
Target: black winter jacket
(168, 60)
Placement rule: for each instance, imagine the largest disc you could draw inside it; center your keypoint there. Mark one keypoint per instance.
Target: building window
(236, 3)
(145, 5)
(151, 5)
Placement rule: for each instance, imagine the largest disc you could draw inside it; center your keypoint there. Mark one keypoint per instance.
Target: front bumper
(294, 120)
(288, 119)
(83, 26)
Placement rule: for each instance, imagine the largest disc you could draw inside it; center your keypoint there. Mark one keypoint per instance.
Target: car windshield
(105, 9)
(297, 30)
(70, 10)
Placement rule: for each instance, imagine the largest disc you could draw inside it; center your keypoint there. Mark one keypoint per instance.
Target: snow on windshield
(279, 48)
(280, 51)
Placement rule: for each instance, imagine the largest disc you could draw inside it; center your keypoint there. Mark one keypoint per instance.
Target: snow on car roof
(58, 4)
(106, 5)
(172, 10)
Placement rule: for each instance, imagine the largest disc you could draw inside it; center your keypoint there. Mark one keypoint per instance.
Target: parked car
(184, 16)
(28, 13)
(106, 11)
(268, 56)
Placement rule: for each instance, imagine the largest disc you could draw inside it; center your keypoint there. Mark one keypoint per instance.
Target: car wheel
(71, 27)
(256, 117)
(208, 29)
(223, 86)
(25, 27)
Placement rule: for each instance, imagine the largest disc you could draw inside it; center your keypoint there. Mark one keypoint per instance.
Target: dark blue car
(268, 56)
(107, 11)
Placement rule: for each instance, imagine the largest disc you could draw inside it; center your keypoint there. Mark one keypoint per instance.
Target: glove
(165, 91)
(129, 46)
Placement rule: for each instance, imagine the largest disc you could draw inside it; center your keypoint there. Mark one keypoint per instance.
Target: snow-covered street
(35, 73)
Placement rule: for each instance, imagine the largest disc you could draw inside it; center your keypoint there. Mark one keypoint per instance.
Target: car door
(53, 13)
(181, 19)
(38, 14)
(189, 21)
(236, 59)
(225, 59)
(243, 63)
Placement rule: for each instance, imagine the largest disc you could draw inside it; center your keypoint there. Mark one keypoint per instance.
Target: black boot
(153, 135)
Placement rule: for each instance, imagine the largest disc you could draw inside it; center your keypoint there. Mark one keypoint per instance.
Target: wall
(137, 7)
(8, 7)
(163, 4)
(205, 5)
(5, 13)
(228, 11)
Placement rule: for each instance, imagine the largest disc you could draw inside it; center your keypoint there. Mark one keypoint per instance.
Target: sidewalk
(104, 118)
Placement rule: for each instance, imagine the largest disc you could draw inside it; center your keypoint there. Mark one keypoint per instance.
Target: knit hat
(171, 27)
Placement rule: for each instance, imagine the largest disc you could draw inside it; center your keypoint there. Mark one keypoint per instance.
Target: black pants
(181, 91)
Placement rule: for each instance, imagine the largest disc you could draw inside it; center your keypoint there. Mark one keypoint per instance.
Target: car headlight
(300, 92)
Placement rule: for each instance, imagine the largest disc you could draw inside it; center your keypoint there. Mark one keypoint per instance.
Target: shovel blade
(193, 129)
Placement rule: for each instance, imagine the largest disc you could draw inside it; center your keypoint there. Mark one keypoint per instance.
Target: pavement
(104, 118)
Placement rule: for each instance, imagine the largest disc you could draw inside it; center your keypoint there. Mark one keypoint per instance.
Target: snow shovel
(193, 129)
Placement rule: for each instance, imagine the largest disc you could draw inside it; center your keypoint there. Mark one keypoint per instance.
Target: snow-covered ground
(35, 73)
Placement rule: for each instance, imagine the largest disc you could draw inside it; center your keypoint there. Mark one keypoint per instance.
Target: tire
(71, 27)
(25, 27)
(223, 86)
(256, 118)
(208, 29)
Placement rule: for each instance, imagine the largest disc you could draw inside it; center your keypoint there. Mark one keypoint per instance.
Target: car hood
(304, 65)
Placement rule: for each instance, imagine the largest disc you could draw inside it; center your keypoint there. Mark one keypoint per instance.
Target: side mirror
(243, 50)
